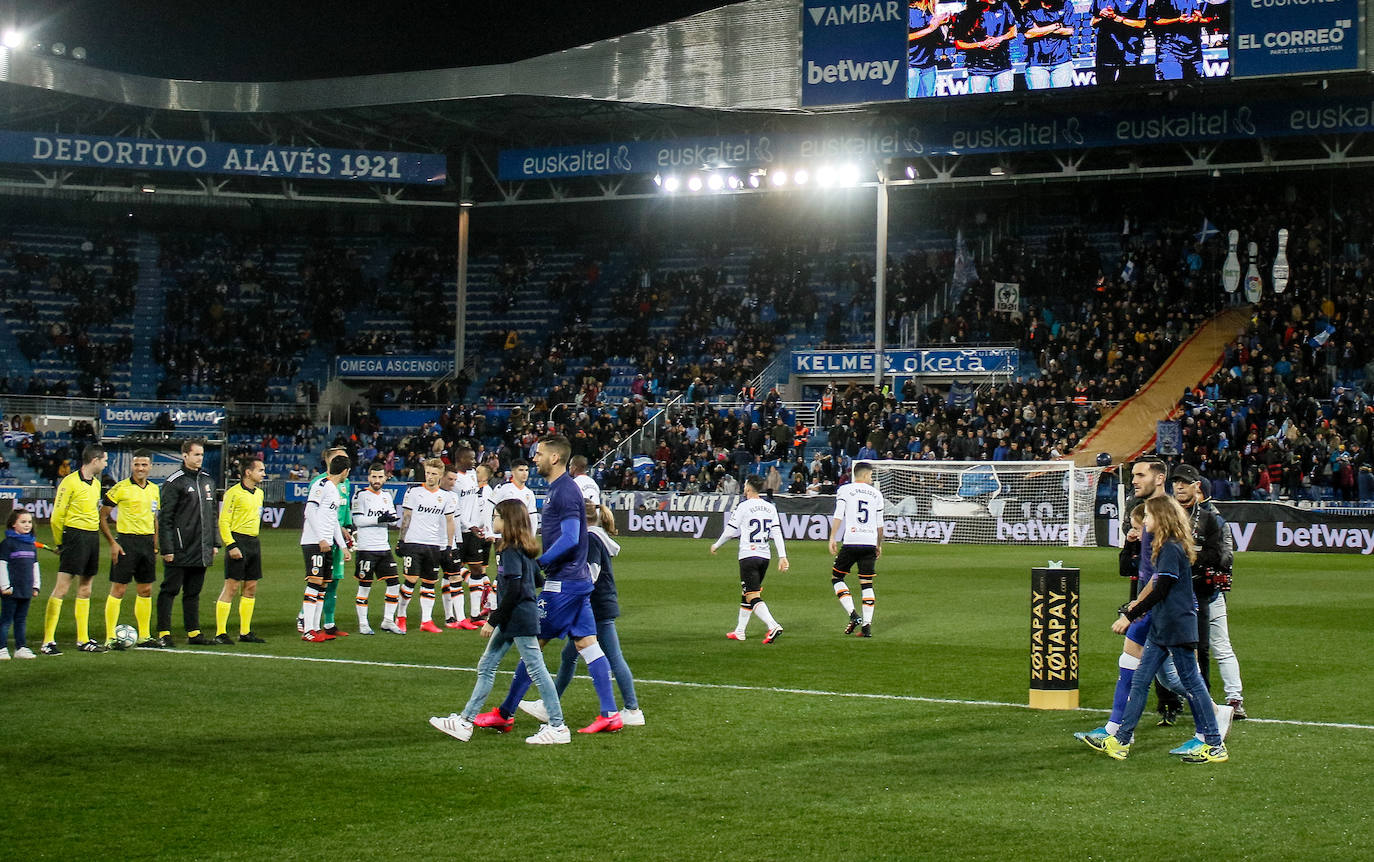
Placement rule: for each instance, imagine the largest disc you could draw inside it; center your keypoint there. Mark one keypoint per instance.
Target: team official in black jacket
(1215, 554)
(188, 536)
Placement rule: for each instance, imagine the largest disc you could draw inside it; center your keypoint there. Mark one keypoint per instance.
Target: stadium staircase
(1129, 430)
(149, 302)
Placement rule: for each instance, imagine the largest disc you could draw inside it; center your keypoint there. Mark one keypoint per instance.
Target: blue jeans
(528, 647)
(610, 645)
(1199, 701)
(1045, 77)
(999, 82)
(920, 82)
(15, 612)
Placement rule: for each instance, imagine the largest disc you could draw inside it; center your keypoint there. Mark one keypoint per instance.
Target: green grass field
(907, 746)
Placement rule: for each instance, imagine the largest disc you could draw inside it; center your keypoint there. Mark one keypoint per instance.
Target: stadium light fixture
(671, 184)
(79, 53)
(911, 172)
(733, 182)
(12, 38)
(658, 180)
(778, 177)
(849, 175)
(715, 182)
(801, 176)
(59, 49)
(694, 183)
(998, 171)
(825, 176)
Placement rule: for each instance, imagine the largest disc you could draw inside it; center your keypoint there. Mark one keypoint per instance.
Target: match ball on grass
(126, 634)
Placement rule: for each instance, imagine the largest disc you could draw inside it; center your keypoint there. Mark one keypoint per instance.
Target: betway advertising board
(1253, 526)
(853, 52)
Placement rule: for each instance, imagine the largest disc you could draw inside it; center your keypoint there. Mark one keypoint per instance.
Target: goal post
(988, 502)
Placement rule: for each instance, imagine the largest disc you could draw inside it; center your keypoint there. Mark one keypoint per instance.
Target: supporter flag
(1322, 335)
(1128, 272)
(963, 395)
(1007, 296)
(1208, 231)
(964, 268)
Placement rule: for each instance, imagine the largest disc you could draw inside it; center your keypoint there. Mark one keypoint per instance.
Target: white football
(126, 634)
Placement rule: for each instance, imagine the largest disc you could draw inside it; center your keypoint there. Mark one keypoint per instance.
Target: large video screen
(997, 46)
(863, 51)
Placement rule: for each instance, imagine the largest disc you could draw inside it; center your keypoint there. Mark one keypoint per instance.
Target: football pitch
(915, 744)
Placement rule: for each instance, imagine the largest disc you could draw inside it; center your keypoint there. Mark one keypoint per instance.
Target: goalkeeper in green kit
(336, 556)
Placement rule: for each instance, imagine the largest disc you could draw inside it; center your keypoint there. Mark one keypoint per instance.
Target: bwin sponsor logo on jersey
(850, 70)
(855, 13)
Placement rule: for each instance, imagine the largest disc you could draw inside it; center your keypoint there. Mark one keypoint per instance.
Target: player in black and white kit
(321, 534)
(450, 561)
(374, 510)
(474, 548)
(426, 530)
(755, 521)
(858, 525)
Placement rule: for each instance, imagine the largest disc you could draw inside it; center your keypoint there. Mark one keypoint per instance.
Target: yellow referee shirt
(241, 512)
(77, 505)
(137, 506)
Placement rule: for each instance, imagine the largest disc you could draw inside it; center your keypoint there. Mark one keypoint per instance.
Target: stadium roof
(730, 70)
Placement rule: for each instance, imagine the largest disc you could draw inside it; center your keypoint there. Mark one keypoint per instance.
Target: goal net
(988, 502)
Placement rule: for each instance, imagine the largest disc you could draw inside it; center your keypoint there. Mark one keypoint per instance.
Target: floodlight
(78, 53)
(715, 182)
(997, 170)
(671, 184)
(825, 176)
(911, 172)
(59, 49)
(778, 177)
(694, 183)
(849, 175)
(754, 180)
(12, 38)
(800, 177)
(733, 182)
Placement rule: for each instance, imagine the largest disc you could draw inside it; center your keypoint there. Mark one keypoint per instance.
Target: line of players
(445, 536)
(984, 29)
(444, 527)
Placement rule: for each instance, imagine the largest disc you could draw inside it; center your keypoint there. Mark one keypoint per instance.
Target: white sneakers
(390, 626)
(1224, 714)
(549, 735)
(4, 654)
(535, 708)
(632, 717)
(24, 652)
(454, 725)
(365, 629)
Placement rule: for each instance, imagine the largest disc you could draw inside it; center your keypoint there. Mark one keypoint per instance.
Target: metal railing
(627, 447)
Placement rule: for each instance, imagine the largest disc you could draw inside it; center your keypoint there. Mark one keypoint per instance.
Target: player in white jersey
(858, 525)
(474, 548)
(321, 534)
(516, 489)
(755, 521)
(427, 528)
(449, 560)
(374, 510)
(577, 466)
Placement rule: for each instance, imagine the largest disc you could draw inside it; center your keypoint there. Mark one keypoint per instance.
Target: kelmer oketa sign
(972, 361)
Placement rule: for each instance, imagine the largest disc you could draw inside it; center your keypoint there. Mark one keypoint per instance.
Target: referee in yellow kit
(240, 517)
(75, 526)
(133, 547)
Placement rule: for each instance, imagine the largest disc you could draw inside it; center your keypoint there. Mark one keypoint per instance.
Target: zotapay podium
(1054, 638)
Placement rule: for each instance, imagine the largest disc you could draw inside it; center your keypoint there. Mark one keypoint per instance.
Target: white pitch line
(721, 686)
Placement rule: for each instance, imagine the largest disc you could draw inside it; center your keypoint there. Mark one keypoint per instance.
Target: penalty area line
(723, 686)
